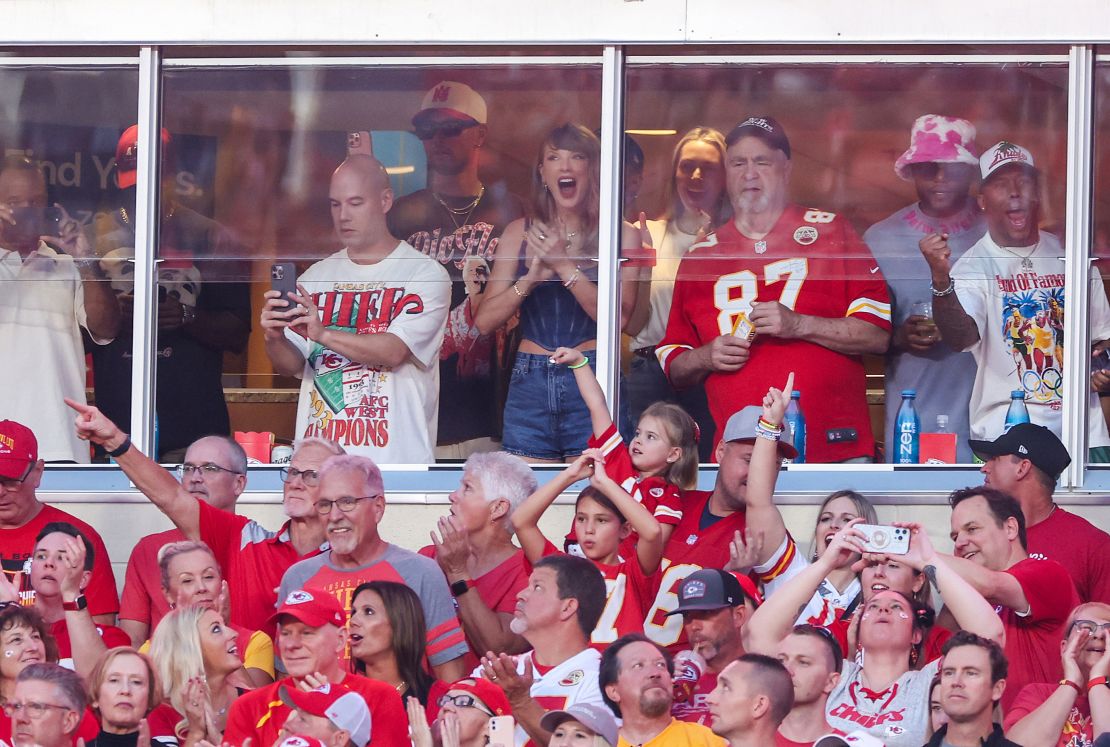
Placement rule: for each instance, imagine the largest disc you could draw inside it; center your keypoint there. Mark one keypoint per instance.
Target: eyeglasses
(346, 504)
(35, 711)
(429, 130)
(1090, 626)
(207, 470)
(11, 483)
(463, 700)
(310, 477)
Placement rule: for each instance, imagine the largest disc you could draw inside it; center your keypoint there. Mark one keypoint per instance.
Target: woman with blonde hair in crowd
(191, 576)
(198, 664)
(123, 689)
(696, 204)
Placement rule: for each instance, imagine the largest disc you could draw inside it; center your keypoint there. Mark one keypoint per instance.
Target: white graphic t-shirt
(898, 715)
(387, 414)
(1016, 297)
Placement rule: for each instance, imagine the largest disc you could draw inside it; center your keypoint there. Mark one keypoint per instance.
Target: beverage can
(281, 454)
(688, 669)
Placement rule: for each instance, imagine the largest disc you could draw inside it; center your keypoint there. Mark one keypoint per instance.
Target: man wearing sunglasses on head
(457, 221)
(252, 557)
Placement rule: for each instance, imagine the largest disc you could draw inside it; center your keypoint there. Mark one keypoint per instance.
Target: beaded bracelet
(519, 292)
(762, 431)
(769, 425)
(579, 364)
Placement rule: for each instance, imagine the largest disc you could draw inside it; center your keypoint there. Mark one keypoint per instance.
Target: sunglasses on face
(428, 130)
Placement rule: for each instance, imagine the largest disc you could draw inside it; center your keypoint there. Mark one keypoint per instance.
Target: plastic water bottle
(1017, 412)
(907, 428)
(797, 420)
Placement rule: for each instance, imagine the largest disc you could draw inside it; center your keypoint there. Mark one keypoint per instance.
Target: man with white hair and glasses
(253, 558)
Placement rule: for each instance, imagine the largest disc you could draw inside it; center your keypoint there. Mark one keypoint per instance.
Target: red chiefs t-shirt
(689, 549)
(260, 714)
(253, 560)
(1078, 545)
(811, 262)
(1077, 729)
(142, 597)
(695, 709)
(1033, 642)
(18, 545)
(627, 593)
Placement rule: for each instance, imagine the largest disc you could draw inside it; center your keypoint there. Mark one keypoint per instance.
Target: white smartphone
(502, 731)
(882, 538)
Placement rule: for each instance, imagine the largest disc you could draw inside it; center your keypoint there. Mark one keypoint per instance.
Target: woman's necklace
(466, 210)
(402, 687)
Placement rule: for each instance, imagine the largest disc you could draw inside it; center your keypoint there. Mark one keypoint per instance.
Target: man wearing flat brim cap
(1026, 461)
(1003, 301)
(774, 320)
(942, 163)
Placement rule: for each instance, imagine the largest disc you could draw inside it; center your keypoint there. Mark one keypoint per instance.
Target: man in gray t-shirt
(942, 166)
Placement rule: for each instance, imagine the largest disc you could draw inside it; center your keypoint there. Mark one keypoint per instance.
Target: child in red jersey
(659, 464)
(601, 525)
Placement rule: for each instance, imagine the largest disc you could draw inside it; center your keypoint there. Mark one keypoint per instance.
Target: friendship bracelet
(579, 364)
(518, 291)
(947, 291)
(769, 425)
(767, 433)
(569, 283)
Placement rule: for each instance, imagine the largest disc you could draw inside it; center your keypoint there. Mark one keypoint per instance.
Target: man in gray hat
(709, 523)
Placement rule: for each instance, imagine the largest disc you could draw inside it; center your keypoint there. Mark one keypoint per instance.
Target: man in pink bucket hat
(942, 165)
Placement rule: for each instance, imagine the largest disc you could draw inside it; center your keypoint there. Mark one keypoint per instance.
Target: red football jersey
(811, 262)
(689, 549)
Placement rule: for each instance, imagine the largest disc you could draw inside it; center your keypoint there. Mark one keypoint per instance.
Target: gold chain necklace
(466, 211)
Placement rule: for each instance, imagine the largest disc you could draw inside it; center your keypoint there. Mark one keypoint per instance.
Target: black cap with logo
(1027, 441)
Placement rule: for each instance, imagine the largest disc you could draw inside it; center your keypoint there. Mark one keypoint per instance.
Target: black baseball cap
(708, 589)
(766, 129)
(1027, 441)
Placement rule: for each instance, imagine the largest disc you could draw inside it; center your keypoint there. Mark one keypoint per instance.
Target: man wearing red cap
(311, 639)
(458, 222)
(779, 288)
(52, 290)
(942, 165)
(201, 314)
(23, 516)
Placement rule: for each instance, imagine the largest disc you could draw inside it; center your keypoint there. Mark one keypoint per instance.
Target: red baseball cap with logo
(19, 449)
(127, 155)
(314, 608)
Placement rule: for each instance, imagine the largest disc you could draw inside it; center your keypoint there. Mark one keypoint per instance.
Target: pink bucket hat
(938, 139)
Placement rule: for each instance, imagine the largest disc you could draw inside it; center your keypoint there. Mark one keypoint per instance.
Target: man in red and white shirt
(806, 284)
(253, 558)
(555, 612)
(1033, 597)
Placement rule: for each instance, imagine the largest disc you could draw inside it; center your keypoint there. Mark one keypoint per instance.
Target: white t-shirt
(826, 606)
(387, 414)
(1020, 316)
(899, 715)
(671, 245)
(42, 311)
(569, 683)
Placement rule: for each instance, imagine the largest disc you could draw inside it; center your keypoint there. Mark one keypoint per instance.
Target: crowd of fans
(665, 614)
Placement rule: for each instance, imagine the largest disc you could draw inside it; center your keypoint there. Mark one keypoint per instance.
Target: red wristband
(1074, 685)
(1098, 681)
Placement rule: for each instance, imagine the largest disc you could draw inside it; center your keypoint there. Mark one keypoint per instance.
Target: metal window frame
(799, 480)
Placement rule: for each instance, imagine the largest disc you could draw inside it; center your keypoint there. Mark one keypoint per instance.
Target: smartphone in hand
(283, 278)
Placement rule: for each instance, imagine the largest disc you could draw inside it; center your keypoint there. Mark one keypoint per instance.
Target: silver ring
(543, 236)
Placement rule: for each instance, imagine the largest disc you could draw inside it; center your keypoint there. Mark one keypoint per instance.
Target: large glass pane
(270, 173)
(1100, 251)
(815, 216)
(61, 300)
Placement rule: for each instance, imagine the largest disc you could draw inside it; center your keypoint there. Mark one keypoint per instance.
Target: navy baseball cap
(1028, 441)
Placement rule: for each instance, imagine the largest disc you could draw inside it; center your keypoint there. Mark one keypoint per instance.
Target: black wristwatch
(461, 586)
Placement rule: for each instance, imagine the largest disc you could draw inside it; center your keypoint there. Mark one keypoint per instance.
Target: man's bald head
(366, 167)
(360, 196)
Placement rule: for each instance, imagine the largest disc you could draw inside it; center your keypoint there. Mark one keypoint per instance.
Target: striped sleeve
(681, 336)
(784, 564)
(866, 294)
(445, 635)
